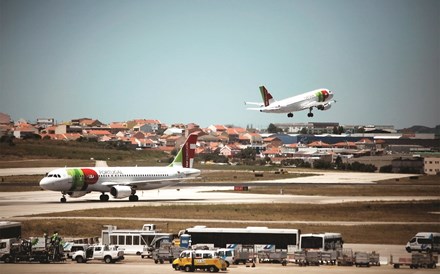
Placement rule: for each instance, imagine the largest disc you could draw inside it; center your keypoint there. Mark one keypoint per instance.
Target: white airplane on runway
(122, 182)
(319, 98)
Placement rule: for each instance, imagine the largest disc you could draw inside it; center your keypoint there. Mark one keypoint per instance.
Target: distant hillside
(421, 129)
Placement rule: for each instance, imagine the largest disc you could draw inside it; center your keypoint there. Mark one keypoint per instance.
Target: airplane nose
(52, 184)
(46, 183)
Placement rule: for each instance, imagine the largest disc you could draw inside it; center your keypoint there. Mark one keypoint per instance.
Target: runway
(15, 204)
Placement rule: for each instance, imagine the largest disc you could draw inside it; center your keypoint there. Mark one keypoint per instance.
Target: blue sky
(198, 61)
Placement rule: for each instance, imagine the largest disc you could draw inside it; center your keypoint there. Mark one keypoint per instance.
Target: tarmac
(136, 265)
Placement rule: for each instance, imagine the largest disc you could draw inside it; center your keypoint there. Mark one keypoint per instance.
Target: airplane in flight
(122, 182)
(319, 98)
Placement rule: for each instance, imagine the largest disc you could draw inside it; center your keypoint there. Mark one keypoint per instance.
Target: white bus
(321, 242)
(424, 241)
(134, 242)
(286, 239)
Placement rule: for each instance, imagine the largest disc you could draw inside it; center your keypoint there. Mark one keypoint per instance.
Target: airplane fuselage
(299, 102)
(104, 178)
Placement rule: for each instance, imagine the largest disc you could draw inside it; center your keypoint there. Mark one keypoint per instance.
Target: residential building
(432, 165)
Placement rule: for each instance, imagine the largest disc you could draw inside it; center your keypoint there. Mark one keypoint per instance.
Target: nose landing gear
(104, 197)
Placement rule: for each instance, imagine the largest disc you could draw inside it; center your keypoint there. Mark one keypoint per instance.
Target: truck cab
(109, 254)
(208, 260)
(5, 249)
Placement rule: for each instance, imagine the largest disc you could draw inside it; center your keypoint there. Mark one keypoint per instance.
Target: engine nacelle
(77, 194)
(120, 192)
(325, 107)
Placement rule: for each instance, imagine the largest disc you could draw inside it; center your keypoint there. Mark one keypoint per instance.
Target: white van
(424, 241)
(226, 254)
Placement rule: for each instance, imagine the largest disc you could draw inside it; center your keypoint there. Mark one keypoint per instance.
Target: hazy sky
(198, 61)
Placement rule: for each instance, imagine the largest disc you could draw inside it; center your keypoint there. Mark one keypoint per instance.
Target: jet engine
(120, 192)
(77, 194)
(325, 107)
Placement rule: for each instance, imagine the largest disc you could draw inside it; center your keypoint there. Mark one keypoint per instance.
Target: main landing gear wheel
(290, 115)
(310, 114)
(133, 198)
(63, 199)
(104, 197)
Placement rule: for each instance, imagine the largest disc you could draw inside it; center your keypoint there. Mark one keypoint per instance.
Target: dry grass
(372, 211)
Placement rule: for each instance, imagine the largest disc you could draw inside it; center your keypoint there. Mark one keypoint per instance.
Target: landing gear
(310, 114)
(133, 198)
(104, 197)
(63, 199)
(290, 115)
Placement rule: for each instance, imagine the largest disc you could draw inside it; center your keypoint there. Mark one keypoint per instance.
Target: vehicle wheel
(227, 264)
(161, 261)
(80, 259)
(8, 260)
(212, 269)
(108, 259)
(188, 268)
(138, 253)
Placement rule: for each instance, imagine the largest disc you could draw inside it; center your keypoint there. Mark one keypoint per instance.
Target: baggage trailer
(245, 255)
(345, 257)
(361, 259)
(329, 257)
(276, 257)
(166, 252)
(417, 260)
(305, 258)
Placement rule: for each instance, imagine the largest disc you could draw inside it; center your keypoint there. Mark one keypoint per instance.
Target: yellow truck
(207, 260)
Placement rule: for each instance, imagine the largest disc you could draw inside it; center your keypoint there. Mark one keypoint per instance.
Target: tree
(247, 154)
(338, 130)
(304, 131)
(273, 129)
(338, 163)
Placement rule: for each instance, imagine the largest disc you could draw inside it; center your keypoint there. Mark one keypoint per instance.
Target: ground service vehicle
(424, 242)
(135, 241)
(322, 242)
(222, 237)
(208, 260)
(38, 249)
(227, 254)
(71, 248)
(109, 254)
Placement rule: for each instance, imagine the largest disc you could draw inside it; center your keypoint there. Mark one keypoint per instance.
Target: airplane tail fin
(185, 156)
(267, 97)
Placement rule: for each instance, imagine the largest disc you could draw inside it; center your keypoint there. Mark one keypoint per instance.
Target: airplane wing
(141, 182)
(310, 104)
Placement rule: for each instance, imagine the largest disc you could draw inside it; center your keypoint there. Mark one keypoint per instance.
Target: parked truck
(106, 253)
(207, 260)
(36, 249)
